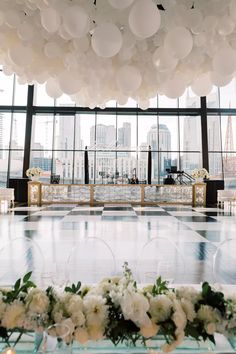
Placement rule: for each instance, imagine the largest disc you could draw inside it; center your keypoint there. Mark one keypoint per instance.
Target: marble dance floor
(126, 229)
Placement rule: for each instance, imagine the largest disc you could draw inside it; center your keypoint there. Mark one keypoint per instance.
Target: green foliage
(74, 289)
(213, 298)
(118, 329)
(160, 287)
(20, 289)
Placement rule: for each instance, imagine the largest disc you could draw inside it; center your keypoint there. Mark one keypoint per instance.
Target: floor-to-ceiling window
(118, 137)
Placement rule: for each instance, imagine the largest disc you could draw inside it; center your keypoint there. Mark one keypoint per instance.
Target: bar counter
(93, 194)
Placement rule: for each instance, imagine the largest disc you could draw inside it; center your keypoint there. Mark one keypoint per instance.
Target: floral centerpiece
(120, 311)
(34, 172)
(200, 173)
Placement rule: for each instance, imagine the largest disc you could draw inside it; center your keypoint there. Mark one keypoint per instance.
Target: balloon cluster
(99, 50)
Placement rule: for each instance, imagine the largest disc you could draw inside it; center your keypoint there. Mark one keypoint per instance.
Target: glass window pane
(106, 168)
(147, 132)
(105, 132)
(228, 95)
(84, 131)
(79, 167)
(42, 133)
(63, 166)
(168, 134)
(189, 100)
(3, 167)
(215, 165)
(64, 101)
(40, 96)
(16, 163)
(190, 161)
(165, 161)
(190, 133)
(214, 134)
(64, 133)
(20, 96)
(42, 159)
(6, 89)
(5, 127)
(229, 166)
(213, 99)
(228, 128)
(165, 102)
(18, 131)
(126, 132)
(126, 167)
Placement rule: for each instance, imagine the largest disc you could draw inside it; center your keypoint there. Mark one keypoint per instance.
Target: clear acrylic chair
(225, 197)
(18, 257)
(160, 257)
(224, 263)
(90, 261)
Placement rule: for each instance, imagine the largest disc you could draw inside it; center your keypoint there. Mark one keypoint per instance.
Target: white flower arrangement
(118, 310)
(200, 173)
(34, 172)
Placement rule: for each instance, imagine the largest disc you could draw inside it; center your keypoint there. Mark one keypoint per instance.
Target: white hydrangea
(160, 308)
(188, 308)
(73, 305)
(188, 293)
(37, 301)
(96, 310)
(210, 318)
(14, 315)
(179, 317)
(134, 307)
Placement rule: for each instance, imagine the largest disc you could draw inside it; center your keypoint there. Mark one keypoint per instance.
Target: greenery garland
(119, 310)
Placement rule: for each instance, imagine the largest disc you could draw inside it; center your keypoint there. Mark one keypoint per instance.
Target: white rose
(14, 315)
(37, 301)
(95, 310)
(160, 308)
(134, 307)
(149, 331)
(210, 328)
(95, 332)
(81, 335)
(188, 308)
(179, 317)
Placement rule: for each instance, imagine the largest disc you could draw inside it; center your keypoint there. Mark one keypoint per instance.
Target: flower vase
(57, 339)
(34, 178)
(198, 180)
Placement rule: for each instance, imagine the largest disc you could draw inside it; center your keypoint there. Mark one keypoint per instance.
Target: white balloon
(68, 83)
(202, 86)
(52, 88)
(163, 60)
(178, 42)
(106, 40)
(225, 26)
(12, 18)
(81, 44)
(128, 79)
(120, 4)
(224, 62)
(50, 20)
(174, 87)
(232, 10)
(25, 31)
(219, 80)
(144, 18)
(144, 104)
(76, 21)
(20, 55)
(52, 50)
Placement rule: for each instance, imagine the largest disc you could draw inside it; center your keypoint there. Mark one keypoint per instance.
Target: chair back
(224, 263)
(160, 257)
(18, 257)
(89, 261)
